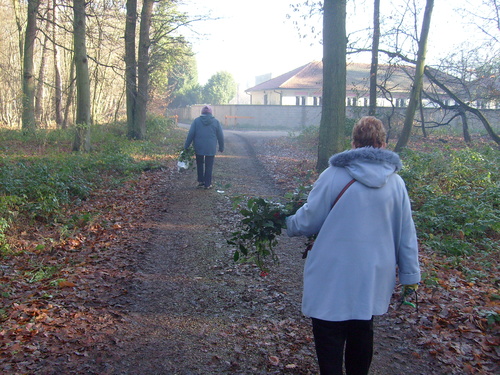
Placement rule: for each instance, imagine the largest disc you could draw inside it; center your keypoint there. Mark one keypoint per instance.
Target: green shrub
(455, 196)
(40, 186)
(158, 127)
(4, 246)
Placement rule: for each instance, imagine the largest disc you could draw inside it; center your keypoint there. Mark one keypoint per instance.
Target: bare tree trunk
(374, 65)
(485, 123)
(131, 68)
(118, 106)
(16, 4)
(57, 69)
(82, 135)
(40, 89)
(97, 105)
(143, 69)
(332, 124)
(418, 81)
(28, 119)
(422, 117)
(69, 98)
(465, 128)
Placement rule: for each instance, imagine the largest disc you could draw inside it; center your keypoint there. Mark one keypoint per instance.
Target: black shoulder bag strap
(311, 241)
(342, 192)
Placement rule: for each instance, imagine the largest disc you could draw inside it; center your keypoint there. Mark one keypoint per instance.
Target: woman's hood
(206, 119)
(368, 165)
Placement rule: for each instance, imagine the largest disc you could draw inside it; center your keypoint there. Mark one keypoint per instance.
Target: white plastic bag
(182, 166)
(185, 159)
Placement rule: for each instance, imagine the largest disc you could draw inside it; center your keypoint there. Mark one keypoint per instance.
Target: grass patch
(40, 177)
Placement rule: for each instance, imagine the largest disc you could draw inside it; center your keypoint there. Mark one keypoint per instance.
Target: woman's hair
(369, 131)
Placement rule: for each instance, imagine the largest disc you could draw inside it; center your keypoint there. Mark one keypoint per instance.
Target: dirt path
(191, 310)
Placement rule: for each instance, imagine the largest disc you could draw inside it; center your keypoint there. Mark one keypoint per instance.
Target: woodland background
(82, 115)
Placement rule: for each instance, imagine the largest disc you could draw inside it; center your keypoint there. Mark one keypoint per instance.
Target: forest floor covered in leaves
(150, 287)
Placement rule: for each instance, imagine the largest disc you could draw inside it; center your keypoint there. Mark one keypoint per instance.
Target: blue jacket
(350, 273)
(205, 132)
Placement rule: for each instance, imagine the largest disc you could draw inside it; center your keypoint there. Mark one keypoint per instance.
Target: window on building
(400, 103)
(297, 100)
(303, 100)
(266, 99)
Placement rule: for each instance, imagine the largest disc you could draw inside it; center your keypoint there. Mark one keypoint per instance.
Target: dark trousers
(205, 166)
(330, 339)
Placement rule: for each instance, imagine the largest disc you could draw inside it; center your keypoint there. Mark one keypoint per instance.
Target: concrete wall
(256, 116)
(299, 117)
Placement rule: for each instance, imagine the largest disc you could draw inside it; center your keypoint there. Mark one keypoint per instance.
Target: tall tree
(137, 71)
(70, 96)
(331, 129)
(418, 80)
(143, 69)
(81, 141)
(131, 67)
(28, 117)
(220, 88)
(183, 85)
(57, 67)
(172, 64)
(40, 88)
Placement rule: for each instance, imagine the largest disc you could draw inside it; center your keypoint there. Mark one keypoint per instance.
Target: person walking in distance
(362, 238)
(205, 133)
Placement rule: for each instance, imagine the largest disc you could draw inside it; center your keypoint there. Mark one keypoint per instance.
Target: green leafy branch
(263, 222)
(186, 155)
(186, 158)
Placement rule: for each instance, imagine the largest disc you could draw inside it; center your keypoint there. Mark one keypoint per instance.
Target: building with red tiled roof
(304, 86)
(304, 83)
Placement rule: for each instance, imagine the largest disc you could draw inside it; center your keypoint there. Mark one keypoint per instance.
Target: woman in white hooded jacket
(350, 272)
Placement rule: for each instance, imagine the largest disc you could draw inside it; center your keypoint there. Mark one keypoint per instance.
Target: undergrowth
(40, 176)
(456, 198)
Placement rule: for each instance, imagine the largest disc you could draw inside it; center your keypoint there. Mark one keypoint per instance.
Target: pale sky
(253, 38)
